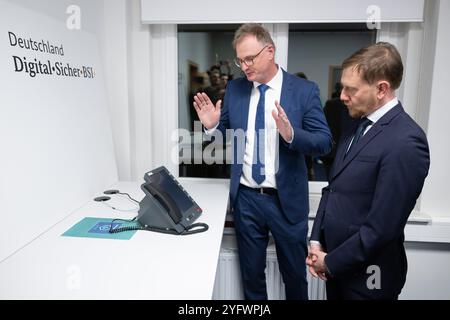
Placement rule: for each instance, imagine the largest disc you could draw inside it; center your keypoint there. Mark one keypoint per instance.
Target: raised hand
(208, 114)
(282, 122)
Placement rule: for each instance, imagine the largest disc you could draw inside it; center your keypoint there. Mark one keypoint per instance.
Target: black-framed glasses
(249, 61)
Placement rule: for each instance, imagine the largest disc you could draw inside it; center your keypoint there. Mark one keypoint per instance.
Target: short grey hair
(255, 29)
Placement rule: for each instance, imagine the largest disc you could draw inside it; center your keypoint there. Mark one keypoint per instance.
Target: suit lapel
(372, 133)
(245, 103)
(286, 92)
(364, 141)
(339, 158)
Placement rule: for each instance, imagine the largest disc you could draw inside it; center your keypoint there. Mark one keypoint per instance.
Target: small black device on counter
(167, 205)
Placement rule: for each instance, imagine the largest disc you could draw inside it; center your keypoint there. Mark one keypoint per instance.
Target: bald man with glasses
(283, 121)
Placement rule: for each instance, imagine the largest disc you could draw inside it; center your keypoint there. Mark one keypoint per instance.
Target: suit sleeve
(224, 113)
(315, 231)
(399, 183)
(314, 138)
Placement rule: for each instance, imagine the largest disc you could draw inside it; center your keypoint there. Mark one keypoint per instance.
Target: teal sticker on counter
(91, 227)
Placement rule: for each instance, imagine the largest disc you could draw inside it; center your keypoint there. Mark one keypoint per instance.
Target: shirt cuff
(211, 131)
(315, 242)
(292, 139)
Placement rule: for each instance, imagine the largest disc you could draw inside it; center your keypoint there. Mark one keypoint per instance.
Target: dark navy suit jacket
(301, 102)
(364, 209)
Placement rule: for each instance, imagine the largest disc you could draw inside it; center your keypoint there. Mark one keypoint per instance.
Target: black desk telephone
(167, 206)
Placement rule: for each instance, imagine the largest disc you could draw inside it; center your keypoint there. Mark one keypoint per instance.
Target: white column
(114, 51)
(407, 38)
(139, 99)
(280, 36)
(164, 97)
(412, 63)
(435, 196)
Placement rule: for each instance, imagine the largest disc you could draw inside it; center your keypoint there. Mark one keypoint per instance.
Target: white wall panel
(236, 11)
(55, 134)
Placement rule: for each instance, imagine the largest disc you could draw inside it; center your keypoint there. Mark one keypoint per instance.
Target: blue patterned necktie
(258, 170)
(363, 124)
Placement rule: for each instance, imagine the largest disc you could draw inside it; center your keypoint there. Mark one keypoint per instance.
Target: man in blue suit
(357, 239)
(282, 118)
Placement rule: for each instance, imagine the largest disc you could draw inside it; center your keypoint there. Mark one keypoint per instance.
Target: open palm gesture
(208, 114)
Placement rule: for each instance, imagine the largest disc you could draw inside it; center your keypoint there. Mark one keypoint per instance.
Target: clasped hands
(316, 261)
(209, 115)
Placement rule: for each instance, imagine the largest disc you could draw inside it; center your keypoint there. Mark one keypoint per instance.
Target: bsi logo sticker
(374, 280)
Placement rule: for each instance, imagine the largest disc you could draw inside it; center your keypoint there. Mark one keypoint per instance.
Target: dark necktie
(363, 124)
(258, 171)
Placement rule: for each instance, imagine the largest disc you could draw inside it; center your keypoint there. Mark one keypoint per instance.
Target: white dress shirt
(272, 94)
(271, 134)
(376, 115)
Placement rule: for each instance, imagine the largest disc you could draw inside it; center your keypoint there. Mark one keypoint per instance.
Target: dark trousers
(255, 215)
(352, 287)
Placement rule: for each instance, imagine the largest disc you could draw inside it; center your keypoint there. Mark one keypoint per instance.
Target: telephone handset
(166, 201)
(167, 206)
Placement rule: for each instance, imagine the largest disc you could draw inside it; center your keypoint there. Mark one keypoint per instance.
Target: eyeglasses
(249, 61)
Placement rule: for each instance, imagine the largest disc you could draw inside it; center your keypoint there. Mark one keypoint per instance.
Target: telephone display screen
(166, 184)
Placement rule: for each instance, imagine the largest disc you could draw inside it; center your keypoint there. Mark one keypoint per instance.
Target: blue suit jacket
(371, 193)
(301, 102)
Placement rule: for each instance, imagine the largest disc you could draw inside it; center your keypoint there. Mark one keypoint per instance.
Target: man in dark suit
(269, 186)
(357, 239)
(338, 120)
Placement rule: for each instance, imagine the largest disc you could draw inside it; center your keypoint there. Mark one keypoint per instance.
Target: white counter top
(148, 266)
